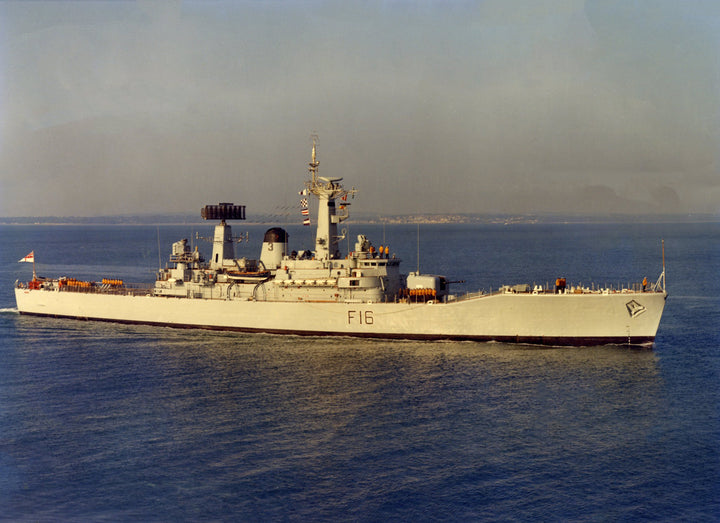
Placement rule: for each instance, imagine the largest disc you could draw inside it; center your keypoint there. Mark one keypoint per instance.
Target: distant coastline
(418, 218)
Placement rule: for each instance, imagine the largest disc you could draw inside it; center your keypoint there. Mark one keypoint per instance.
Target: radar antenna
(313, 165)
(223, 211)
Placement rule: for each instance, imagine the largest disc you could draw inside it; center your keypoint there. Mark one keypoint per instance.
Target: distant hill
(142, 219)
(284, 219)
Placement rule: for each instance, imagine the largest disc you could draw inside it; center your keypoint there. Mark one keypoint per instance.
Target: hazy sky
(427, 106)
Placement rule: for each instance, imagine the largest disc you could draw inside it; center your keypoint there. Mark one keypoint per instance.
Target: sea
(110, 422)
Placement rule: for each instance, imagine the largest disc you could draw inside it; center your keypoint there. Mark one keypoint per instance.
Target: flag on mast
(31, 259)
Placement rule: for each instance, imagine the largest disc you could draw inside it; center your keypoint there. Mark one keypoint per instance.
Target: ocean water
(113, 422)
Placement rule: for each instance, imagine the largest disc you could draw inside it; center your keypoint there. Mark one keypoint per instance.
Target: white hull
(551, 319)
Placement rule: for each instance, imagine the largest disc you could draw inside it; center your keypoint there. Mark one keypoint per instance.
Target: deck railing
(133, 289)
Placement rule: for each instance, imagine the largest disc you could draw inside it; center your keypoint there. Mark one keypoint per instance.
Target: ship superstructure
(360, 293)
(365, 275)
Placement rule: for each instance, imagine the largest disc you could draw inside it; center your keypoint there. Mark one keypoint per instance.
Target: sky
(498, 106)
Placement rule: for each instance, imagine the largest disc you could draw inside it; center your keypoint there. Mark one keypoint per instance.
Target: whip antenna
(418, 248)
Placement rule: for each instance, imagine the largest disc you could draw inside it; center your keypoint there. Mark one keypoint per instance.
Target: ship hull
(545, 319)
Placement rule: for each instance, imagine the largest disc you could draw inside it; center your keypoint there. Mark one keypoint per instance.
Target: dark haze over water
(103, 421)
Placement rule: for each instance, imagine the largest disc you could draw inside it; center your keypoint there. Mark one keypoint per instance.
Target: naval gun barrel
(223, 211)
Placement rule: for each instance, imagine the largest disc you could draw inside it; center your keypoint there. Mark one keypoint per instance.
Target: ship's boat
(360, 293)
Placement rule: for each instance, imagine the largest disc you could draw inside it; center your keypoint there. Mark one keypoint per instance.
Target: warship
(359, 293)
